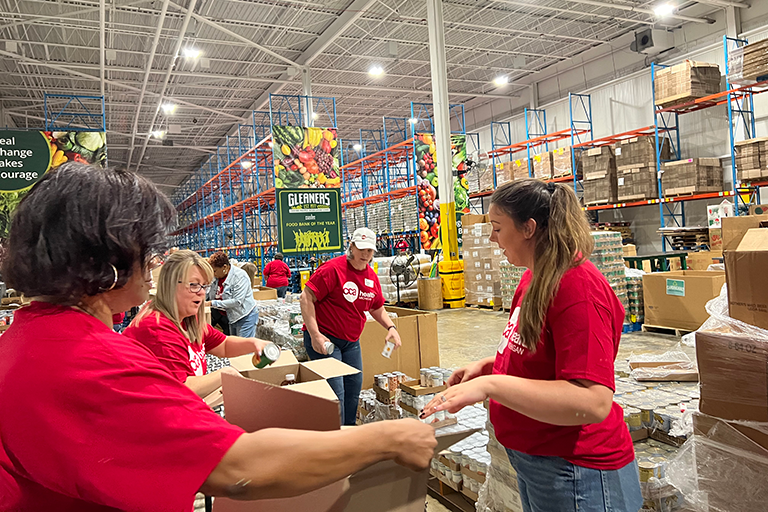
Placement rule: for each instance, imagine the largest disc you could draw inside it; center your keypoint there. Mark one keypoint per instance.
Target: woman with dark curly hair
(232, 293)
(91, 420)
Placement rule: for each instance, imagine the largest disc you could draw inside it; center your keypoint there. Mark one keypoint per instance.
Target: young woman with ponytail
(551, 382)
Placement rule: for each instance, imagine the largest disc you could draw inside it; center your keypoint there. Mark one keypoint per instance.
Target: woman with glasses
(235, 288)
(173, 325)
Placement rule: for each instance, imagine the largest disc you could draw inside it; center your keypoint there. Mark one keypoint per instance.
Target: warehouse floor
(466, 335)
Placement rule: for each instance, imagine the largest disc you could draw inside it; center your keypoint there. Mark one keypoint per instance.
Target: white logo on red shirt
(196, 360)
(510, 337)
(350, 291)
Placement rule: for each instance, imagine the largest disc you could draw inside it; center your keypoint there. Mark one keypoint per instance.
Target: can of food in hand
(329, 347)
(269, 354)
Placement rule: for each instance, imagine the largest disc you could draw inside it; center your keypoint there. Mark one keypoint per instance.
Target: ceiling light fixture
(158, 134)
(500, 81)
(246, 164)
(357, 147)
(376, 70)
(192, 53)
(169, 108)
(413, 120)
(314, 115)
(662, 10)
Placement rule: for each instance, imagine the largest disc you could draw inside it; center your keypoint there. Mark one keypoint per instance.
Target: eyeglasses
(197, 287)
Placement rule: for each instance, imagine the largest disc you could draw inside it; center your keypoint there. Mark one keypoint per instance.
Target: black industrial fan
(404, 272)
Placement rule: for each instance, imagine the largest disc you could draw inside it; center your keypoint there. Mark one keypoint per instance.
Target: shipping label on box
(676, 287)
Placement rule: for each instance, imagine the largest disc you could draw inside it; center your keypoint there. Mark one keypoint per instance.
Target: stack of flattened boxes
(748, 64)
(562, 163)
(503, 173)
(482, 260)
(686, 81)
(542, 165)
(751, 159)
(692, 176)
(600, 185)
(636, 168)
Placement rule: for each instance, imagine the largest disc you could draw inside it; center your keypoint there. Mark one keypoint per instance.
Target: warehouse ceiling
(214, 61)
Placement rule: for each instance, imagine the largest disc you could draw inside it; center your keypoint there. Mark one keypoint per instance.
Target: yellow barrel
(452, 278)
(304, 278)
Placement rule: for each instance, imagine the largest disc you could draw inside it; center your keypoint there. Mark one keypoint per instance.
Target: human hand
(457, 397)
(231, 371)
(469, 372)
(394, 337)
(318, 342)
(258, 346)
(414, 443)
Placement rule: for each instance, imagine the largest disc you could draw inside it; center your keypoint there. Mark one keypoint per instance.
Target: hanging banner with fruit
(26, 156)
(429, 203)
(309, 220)
(305, 157)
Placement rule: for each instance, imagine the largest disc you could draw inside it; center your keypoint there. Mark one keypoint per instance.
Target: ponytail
(562, 241)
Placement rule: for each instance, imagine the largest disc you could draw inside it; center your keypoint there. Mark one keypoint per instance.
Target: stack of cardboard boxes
(519, 169)
(692, 176)
(482, 261)
(600, 184)
(685, 82)
(503, 173)
(562, 162)
(542, 165)
(636, 168)
(752, 159)
(748, 64)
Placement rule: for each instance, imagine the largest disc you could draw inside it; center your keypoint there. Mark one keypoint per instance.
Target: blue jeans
(552, 484)
(281, 291)
(347, 388)
(246, 326)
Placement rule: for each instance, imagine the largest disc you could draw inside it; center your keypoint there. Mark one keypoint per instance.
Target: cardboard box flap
(254, 405)
(447, 437)
(318, 388)
(755, 239)
(245, 363)
(329, 367)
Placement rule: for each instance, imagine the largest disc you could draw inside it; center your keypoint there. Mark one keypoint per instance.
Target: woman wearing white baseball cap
(333, 305)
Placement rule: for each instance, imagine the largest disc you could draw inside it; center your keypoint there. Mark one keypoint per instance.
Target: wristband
(393, 326)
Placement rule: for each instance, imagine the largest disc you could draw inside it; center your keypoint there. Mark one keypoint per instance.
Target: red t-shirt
(92, 421)
(182, 357)
(277, 274)
(344, 294)
(580, 340)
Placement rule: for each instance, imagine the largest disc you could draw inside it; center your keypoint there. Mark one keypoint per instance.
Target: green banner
(309, 220)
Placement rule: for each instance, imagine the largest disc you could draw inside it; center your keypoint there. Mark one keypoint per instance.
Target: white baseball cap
(364, 238)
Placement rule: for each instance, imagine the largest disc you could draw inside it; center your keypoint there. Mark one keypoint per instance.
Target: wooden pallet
(659, 329)
(452, 500)
(495, 307)
(598, 203)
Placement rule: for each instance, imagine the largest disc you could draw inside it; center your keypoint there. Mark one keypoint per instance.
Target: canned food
(648, 470)
(269, 355)
(394, 382)
(437, 379)
(329, 348)
(646, 414)
(423, 376)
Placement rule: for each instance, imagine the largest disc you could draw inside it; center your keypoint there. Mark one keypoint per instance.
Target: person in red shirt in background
(278, 274)
(333, 305)
(551, 383)
(91, 420)
(173, 325)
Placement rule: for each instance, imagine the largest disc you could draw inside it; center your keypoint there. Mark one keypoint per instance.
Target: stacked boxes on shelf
(519, 169)
(608, 257)
(752, 159)
(355, 218)
(503, 173)
(404, 213)
(686, 81)
(482, 262)
(510, 278)
(599, 167)
(542, 165)
(636, 168)
(562, 163)
(378, 217)
(692, 176)
(748, 64)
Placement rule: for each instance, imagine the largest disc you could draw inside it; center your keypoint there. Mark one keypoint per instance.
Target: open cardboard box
(264, 293)
(383, 487)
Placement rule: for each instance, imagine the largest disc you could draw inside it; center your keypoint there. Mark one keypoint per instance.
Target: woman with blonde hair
(173, 325)
(551, 382)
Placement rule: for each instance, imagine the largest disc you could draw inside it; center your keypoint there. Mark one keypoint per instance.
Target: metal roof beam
(634, 8)
(35, 18)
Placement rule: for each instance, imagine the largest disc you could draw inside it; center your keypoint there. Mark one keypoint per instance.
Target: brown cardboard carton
(716, 239)
(733, 373)
(418, 332)
(264, 293)
(383, 487)
(701, 260)
(746, 270)
(471, 218)
(734, 228)
(677, 299)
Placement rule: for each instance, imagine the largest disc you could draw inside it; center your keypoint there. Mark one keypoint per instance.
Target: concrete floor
(466, 335)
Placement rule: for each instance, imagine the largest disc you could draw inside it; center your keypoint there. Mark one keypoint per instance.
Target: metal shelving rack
(229, 204)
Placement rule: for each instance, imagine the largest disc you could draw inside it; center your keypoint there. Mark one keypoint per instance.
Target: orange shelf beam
(716, 99)
(247, 204)
(534, 142)
(677, 199)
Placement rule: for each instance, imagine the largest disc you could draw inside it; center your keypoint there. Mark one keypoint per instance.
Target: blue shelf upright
(535, 126)
(501, 137)
(580, 115)
(73, 112)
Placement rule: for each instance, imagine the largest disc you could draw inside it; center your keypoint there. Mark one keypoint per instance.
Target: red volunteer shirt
(344, 294)
(92, 421)
(173, 349)
(580, 340)
(277, 274)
